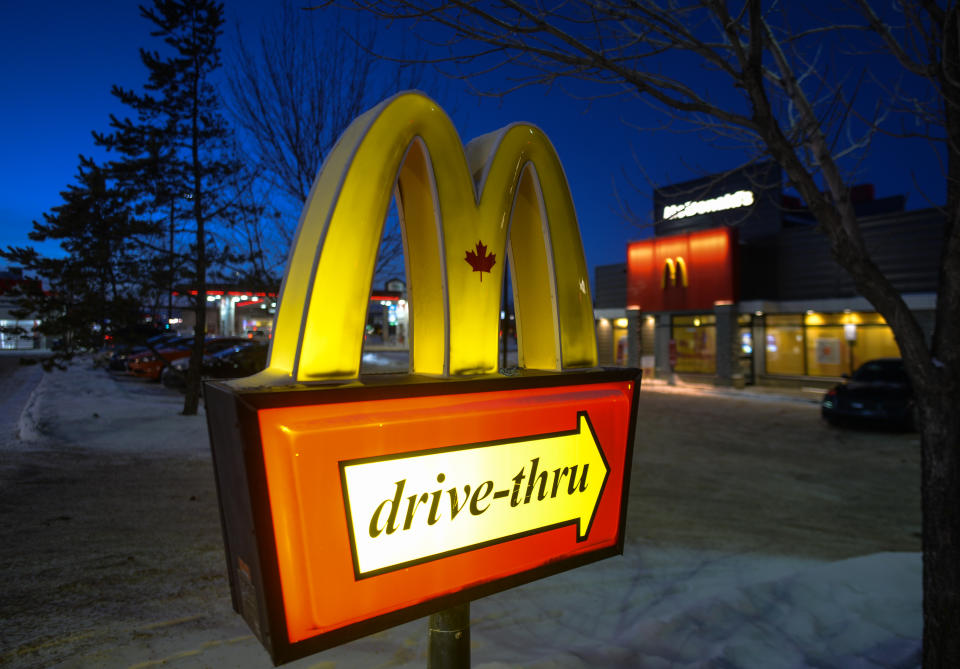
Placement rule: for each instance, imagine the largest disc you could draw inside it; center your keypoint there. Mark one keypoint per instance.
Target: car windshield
(881, 371)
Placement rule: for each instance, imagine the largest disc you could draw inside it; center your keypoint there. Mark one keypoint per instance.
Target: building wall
(906, 247)
(610, 286)
(685, 271)
(612, 322)
(604, 342)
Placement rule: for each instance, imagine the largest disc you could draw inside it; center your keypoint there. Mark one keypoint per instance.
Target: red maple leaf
(480, 261)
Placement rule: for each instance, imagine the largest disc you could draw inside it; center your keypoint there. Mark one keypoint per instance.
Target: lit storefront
(233, 311)
(19, 334)
(16, 332)
(737, 286)
(612, 337)
(388, 318)
(816, 344)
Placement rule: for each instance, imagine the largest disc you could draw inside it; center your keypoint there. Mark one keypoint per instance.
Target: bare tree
(809, 91)
(297, 89)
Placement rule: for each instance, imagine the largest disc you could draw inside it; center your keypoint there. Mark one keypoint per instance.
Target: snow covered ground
(111, 557)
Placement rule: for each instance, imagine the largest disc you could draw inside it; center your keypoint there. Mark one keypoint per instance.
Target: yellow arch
(682, 271)
(508, 185)
(669, 276)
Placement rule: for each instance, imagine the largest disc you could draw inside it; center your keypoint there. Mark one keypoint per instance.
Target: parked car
(246, 357)
(879, 392)
(150, 364)
(120, 353)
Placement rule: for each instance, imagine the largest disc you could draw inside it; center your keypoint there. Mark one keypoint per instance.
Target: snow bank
(89, 408)
(651, 608)
(18, 383)
(28, 423)
(667, 608)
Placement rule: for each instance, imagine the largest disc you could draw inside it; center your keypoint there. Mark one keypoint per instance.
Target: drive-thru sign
(545, 481)
(351, 503)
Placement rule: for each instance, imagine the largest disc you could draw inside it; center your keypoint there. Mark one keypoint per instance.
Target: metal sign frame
(248, 526)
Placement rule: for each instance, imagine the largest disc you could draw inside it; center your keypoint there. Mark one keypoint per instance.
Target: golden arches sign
(506, 190)
(673, 269)
(318, 547)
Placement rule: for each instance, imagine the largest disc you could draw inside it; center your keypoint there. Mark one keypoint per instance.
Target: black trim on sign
(391, 386)
(603, 484)
(628, 461)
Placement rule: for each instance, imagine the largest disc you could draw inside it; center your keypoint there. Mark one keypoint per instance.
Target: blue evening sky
(59, 58)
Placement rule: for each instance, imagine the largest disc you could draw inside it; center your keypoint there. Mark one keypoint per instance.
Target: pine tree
(178, 148)
(94, 293)
(149, 179)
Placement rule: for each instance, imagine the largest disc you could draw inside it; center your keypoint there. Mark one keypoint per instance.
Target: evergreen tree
(178, 148)
(95, 292)
(149, 179)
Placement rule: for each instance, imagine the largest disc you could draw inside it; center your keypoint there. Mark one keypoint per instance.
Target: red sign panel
(688, 271)
(372, 505)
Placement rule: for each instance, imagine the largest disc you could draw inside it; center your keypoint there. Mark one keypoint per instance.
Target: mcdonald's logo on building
(354, 503)
(674, 272)
(690, 270)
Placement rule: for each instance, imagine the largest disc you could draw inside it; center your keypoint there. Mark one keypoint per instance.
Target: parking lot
(772, 477)
(111, 544)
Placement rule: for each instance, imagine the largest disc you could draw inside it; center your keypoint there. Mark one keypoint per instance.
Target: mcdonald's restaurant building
(738, 287)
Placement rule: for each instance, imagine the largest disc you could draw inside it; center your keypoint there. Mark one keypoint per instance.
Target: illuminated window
(874, 341)
(784, 344)
(620, 343)
(696, 341)
(817, 344)
(827, 351)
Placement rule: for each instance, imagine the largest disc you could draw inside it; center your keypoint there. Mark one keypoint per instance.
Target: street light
(850, 334)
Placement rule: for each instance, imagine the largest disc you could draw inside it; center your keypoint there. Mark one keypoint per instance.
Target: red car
(150, 364)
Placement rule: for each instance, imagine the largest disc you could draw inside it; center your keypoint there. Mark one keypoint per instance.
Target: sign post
(351, 503)
(449, 644)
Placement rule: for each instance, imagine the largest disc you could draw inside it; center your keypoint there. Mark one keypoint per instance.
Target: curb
(759, 394)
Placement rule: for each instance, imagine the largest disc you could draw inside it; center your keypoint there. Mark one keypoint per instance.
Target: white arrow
(412, 508)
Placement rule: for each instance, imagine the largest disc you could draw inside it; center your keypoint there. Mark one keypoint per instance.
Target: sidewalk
(807, 395)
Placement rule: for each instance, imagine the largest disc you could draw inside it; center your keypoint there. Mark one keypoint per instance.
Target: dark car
(246, 357)
(878, 393)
